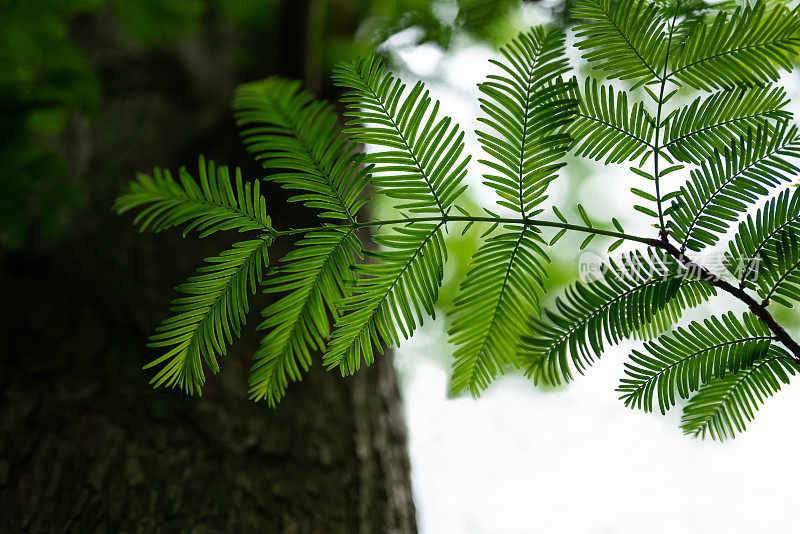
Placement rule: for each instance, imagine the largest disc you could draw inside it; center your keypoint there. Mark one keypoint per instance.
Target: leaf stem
(657, 144)
(759, 309)
(470, 219)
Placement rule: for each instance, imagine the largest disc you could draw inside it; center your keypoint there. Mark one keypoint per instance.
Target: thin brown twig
(759, 309)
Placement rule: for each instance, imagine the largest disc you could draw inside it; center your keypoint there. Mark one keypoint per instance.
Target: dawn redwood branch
(759, 309)
(524, 221)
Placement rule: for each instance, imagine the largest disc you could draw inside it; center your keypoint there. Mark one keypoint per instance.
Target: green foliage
(297, 138)
(421, 163)
(758, 236)
(44, 76)
(47, 79)
(624, 39)
(288, 130)
(211, 314)
(315, 277)
(440, 22)
(709, 125)
(627, 297)
(607, 128)
(155, 21)
(390, 296)
(730, 180)
(349, 299)
(526, 107)
(723, 408)
(743, 48)
(779, 277)
(421, 166)
(212, 205)
(690, 357)
(739, 141)
(498, 294)
(216, 305)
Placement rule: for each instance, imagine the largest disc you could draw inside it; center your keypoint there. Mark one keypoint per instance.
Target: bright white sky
(522, 460)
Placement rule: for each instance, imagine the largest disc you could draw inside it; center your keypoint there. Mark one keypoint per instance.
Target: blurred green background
(49, 83)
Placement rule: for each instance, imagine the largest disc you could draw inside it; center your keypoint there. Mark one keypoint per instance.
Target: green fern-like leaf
(607, 128)
(760, 235)
(626, 298)
(210, 206)
(706, 126)
(209, 316)
(215, 309)
(779, 272)
(526, 107)
(291, 132)
(723, 408)
(422, 161)
(332, 295)
(691, 14)
(722, 188)
(494, 301)
(390, 297)
(315, 276)
(747, 47)
(625, 39)
(680, 362)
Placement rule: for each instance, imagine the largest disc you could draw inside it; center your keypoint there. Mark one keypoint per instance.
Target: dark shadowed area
(86, 445)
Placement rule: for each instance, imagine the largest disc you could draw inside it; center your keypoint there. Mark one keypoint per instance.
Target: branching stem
(657, 145)
(759, 309)
(656, 154)
(468, 219)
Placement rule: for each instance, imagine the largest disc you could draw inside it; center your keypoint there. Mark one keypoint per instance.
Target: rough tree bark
(85, 444)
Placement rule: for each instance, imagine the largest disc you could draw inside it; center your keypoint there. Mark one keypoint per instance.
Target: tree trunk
(85, 444)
